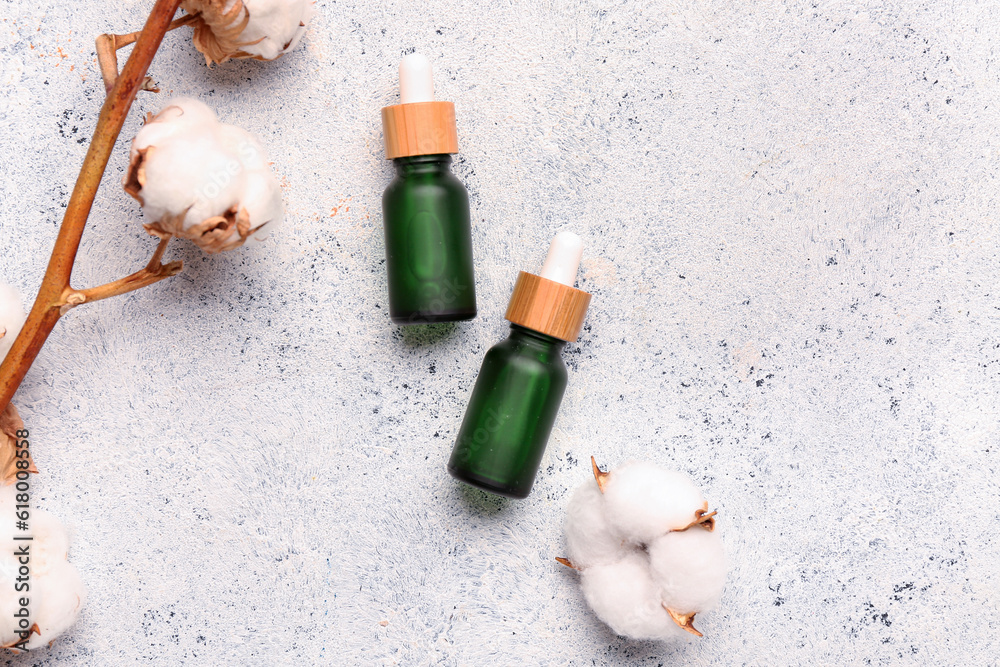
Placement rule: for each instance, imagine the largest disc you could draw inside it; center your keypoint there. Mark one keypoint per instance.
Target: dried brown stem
(48, 304)
(107, 52)
(152, 273)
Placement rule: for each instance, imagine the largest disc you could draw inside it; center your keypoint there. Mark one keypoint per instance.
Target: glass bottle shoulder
(446, 186)
(530, 352)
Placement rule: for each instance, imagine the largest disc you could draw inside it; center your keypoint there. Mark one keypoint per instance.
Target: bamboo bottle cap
(547, 307)
(418, 125)
(419, 128)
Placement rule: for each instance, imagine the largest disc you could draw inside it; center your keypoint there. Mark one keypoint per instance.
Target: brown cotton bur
(599, 475)
(212, 235)
(10, 424)
(136, 176)
(702, 518)
(217, 29)
(34, 630)
(684, 621)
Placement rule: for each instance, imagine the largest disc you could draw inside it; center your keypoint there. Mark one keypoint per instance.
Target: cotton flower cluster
(260, 29)
(12, 318)
(644, 543)
(203, 180)
(54, 593)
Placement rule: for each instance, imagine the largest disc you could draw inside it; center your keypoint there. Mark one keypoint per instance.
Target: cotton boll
(624, 596)
(589, 538)
(8, 497)
(56, 592)
(184, 116)
(645, 501)
(12, 317)
(263, 202)
(203, 180)
(189, 178)
(690, 569)
(259, 29)
(643, 541)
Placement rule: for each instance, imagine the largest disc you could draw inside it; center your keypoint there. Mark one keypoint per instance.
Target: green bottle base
(460, 315)
(513, 406)
(486, 484)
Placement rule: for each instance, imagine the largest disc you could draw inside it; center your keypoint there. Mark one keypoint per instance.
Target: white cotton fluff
(12, 318)
(277, 24)
(624, 596)
(590, 539)
(648, 560)
(690, 569)
(56, 592)
(644, 501)
(63, 595)
(200, 179)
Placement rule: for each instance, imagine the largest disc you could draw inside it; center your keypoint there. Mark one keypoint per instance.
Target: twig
(152, 273)
(107, 53)
(48, 304)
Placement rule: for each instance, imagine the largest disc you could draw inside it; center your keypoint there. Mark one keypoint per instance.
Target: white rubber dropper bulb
(416, 80)
(563, 260)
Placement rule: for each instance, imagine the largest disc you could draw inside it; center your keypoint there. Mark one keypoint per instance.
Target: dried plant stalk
(55, 295)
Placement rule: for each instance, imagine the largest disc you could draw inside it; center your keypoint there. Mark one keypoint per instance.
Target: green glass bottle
(428, 233)
(511, 413)
(522, 380)
(428, 243)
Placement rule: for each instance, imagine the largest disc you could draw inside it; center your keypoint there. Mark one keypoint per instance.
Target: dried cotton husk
(259, 29)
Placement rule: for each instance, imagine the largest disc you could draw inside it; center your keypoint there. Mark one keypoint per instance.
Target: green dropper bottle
(522, 380)
(428, 234)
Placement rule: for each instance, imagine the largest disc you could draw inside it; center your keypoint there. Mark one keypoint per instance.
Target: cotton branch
(153, 273)
(55, 291)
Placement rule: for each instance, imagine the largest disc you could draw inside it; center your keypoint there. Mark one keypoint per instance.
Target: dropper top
(418, 125)
(416, 79)
(563, 260)
(548, 303)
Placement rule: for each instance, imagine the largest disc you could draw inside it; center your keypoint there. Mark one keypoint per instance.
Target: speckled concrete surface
(791, 217)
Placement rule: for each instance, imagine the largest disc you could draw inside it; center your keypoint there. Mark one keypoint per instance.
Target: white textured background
(791, 218)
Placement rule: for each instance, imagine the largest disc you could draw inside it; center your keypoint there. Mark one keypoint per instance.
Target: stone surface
(790, 213)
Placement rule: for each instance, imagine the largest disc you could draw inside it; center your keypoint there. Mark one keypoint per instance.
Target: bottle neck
(535, 339)
(422, 164)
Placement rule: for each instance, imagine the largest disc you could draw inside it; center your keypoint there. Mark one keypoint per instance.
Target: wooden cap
(419, 128)
(547, 307)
